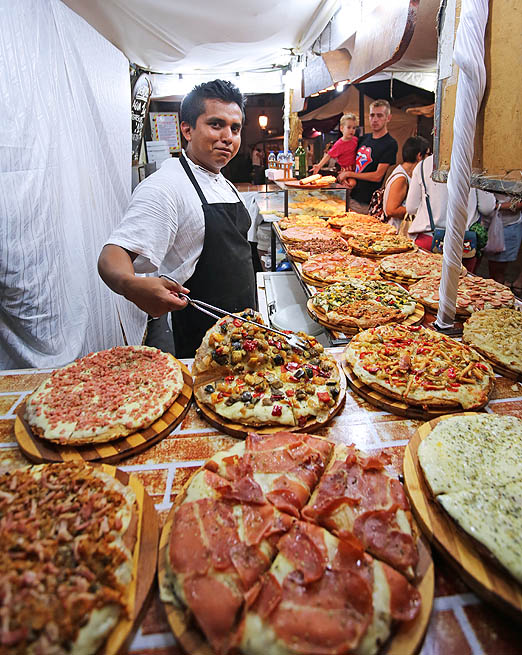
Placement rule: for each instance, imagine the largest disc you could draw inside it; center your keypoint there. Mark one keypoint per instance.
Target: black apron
(224, 275)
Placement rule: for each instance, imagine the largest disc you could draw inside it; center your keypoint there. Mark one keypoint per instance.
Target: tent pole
(361, 108)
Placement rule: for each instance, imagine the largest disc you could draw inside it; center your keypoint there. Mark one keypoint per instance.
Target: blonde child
(344, 149)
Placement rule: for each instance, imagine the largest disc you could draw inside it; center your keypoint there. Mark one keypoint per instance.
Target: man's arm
(374, 176)
(155, 296)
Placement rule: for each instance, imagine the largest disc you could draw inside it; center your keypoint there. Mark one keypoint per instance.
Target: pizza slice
(324, 596)
(223, 538)
(356, 497)
(285, 465)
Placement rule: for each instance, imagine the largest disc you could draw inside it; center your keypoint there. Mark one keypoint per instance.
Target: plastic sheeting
(65, 179)
(469, 56)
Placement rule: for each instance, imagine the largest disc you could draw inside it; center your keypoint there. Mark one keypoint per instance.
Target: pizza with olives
(104, 395)
(254, 377)
(67, 534)
(362, 304)
(252, 563)
(420, 367)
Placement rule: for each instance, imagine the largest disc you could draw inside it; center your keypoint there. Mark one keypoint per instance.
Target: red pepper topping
(290, 393)
(237, 322)
(249, 345)
(323, 396)
(482, 366)
(451, 373)
(277, 410)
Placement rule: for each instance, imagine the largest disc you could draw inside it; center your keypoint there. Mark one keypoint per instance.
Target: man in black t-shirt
(376, 151)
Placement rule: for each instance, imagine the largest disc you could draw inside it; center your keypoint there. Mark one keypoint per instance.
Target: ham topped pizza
(260, 576)
(413, 265)
(105, 395)
(67, 533)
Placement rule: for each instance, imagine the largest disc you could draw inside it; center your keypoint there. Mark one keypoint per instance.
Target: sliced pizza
(285, 465)
(105, 395)
(324, 595)
(413, 266)
(379, 245)
(357, 498)
(339, 267)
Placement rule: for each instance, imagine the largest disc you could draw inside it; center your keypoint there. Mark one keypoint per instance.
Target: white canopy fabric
(65, 179)
(165, 36)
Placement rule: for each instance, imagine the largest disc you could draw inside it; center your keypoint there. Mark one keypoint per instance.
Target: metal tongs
(292, 339)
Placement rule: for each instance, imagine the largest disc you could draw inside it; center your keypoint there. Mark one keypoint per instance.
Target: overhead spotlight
(314, 95)
(263, 121)
(341, 85)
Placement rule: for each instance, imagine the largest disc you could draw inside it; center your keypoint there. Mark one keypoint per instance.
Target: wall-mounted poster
(165, 127)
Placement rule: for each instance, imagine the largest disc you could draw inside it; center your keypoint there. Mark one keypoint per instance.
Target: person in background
(187, 223)
(344, 149)
(509, 211)
(480, 203)
(376, 151)
(414, 149)
(258, 164)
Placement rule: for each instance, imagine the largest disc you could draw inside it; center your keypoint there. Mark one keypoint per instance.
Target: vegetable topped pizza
(339, 267)
(363, 303)
(251, 376)
(379, 244)
(473, 293)
(67, 533)
(264, 549)
(497, 334)
(413, 265)
(105, 395)
(420, 367)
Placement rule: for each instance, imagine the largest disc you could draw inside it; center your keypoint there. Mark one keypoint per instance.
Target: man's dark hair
(193, 104)
(412, 146)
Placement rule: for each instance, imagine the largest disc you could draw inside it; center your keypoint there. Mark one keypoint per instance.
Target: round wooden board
(241, 431)
(401, 279)
(295, 184)
(40, 450)
(413, 319)
(406, 640)
(378, 255)
(487, 580)
(320, 284)
(391, 404)
(145, 559)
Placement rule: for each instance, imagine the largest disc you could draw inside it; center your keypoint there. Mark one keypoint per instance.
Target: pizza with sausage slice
(248, 561)
(414, 266)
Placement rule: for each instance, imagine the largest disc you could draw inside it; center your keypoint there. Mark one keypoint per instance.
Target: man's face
(217, 135)
(379, 118)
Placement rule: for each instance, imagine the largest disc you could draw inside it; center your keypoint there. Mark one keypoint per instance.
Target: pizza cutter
(292, 339)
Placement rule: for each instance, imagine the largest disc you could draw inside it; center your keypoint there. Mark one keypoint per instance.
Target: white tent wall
(401, 126)
(65, 179)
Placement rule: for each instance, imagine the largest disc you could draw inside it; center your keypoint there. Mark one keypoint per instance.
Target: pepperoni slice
(304, 547)
(268, 597)
(288, 495)
(187, 551)
(405, 600)
(249, 563)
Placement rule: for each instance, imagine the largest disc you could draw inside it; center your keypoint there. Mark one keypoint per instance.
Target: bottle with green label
(300, 160)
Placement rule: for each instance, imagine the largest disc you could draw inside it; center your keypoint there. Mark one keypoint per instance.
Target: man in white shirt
(187, 222)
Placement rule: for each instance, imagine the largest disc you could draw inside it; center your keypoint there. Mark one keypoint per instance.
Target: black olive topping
(209, 388)
(246, 397)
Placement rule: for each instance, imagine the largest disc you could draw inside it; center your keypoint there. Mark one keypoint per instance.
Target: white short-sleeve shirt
(164, 223)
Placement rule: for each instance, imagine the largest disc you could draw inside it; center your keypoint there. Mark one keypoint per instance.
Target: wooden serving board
(406, 640)
(241, 431)
(377, 255)
(295, 184)
(392, 404)
(145, 559)
(486, 579)
(40, 450)
(413, 319)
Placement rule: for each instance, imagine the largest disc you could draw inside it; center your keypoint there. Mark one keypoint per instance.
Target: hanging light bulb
(263, 121)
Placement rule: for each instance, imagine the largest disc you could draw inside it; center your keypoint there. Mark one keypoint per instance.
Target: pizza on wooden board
(352, 219)
(300, 220)
(259, 577)
(311, 247)
(369, 229)
(497, 334)
(104, 395)
(67, 533)
(339, 267)
(473, 293)
(254, 377)
(380, 244)
(414, 265)
(298, 234)
(420, 367)
(363, 303)
(473, 468)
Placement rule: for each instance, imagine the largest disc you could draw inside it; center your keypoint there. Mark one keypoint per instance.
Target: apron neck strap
(192, 178)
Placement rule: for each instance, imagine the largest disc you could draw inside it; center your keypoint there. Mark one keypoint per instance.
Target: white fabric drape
(65, 179)
(469, 56)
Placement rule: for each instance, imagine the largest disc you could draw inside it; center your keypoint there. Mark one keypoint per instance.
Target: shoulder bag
(469, 248)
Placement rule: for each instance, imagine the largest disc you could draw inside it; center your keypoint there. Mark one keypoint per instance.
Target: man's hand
(155, 295)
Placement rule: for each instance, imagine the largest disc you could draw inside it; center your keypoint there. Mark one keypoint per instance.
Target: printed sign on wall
(165, 127)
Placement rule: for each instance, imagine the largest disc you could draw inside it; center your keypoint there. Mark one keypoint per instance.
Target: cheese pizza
(413, 265)
(371, 230)
(297, 220)
(339, 267)
(104, 395)
(363, 304)
(260, 578)
(352, 219)
(473, 293)
(253, 377)
(497, 334)
(420, 367)
(379, 245)
(67, 532)
(473, 468)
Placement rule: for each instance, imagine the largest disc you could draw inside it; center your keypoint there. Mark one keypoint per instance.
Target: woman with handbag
(509, 219)
(428, 200)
